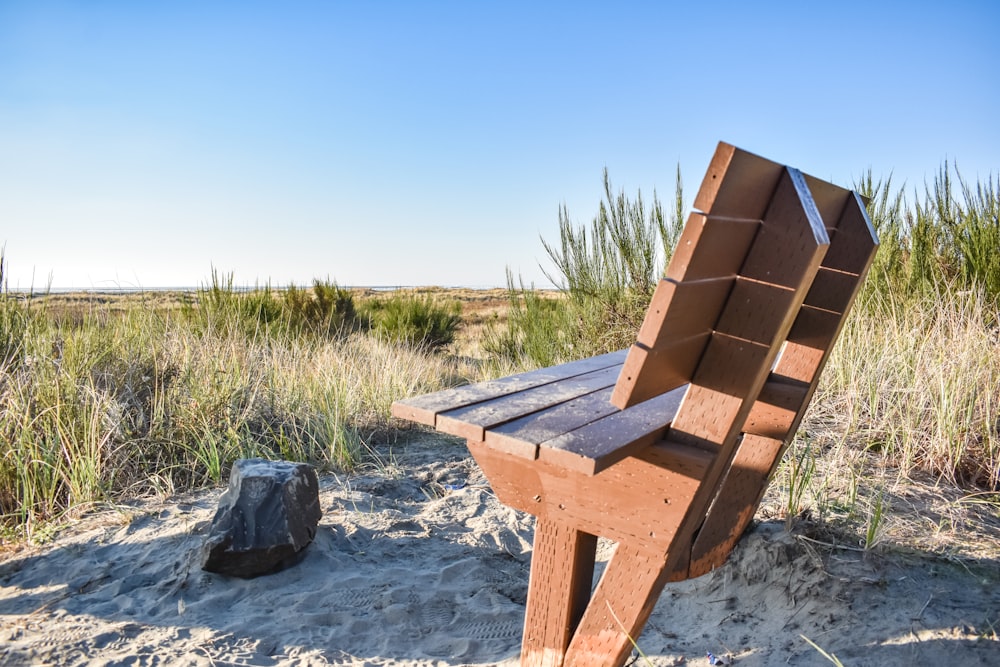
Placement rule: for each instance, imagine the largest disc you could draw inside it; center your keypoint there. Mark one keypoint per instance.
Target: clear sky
(432, 143)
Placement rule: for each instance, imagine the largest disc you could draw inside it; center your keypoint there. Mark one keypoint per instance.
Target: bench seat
(560, 414)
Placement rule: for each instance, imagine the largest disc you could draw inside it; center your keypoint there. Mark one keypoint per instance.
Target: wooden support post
(562, 574)
(734, 506)
(619, 608)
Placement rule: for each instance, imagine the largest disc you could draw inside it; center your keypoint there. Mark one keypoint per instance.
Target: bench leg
(562, 572)
(619, 608)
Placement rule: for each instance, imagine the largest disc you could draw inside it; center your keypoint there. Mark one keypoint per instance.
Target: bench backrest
(751, 303)
(713, 251)
(745, 264)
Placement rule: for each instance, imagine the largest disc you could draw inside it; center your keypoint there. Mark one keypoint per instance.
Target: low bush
(606, 274)
(326, 309)
(947, 239)
(419, 321)
(262, 312)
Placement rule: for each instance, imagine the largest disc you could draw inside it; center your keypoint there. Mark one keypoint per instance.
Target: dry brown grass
(893, 381)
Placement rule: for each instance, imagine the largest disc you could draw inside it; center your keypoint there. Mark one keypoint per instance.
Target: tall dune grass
(606, 272)
(915, 384)
(944, 239)
(105, 407)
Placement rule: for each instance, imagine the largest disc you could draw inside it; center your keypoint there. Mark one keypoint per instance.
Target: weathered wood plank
(776, 408)
(830, 199)
(737, 184)
(831, 290)
(602, 443)
(731, 371)
(651, 372)
(424, 409)
(858, 242)
(755, 311)
(471, 421)
(521, 437)
(814, 327)
(784, 251)
(682, 310)
(711, 247)
(730, 364)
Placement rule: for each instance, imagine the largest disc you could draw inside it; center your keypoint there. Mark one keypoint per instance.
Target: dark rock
(265, 518)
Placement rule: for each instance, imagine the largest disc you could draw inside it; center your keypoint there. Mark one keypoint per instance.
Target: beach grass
(104, 403)
(105, 398)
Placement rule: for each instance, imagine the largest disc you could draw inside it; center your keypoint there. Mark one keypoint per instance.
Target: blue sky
(432, 143)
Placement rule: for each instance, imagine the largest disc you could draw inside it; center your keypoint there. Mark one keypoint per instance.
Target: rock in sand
(265, 518)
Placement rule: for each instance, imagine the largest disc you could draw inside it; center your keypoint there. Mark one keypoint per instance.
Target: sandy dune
(418, 564)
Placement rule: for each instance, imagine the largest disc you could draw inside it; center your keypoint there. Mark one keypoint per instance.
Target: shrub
(606, 273)
(945, 240)
(534, 331)
(414, 320)
(326, 309)
(221, 309)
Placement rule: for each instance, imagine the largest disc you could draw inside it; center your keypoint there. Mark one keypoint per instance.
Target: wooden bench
(666, 448)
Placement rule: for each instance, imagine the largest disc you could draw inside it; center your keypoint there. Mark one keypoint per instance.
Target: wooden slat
(755, 311)
(737, 184)
(598, 445)
(854, 251)
(681, 310)
(711, 247)
(801, 362)
(814, 327)
(521, 437)
(651, 372)
(776, 408)
(471, 421)
(831, 290)
(784, 251)
(424, 409)
(730, 364)
(830, 199)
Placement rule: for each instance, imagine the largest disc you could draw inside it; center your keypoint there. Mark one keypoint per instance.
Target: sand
(416, 563)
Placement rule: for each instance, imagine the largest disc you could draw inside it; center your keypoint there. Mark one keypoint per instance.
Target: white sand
(405, 571)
